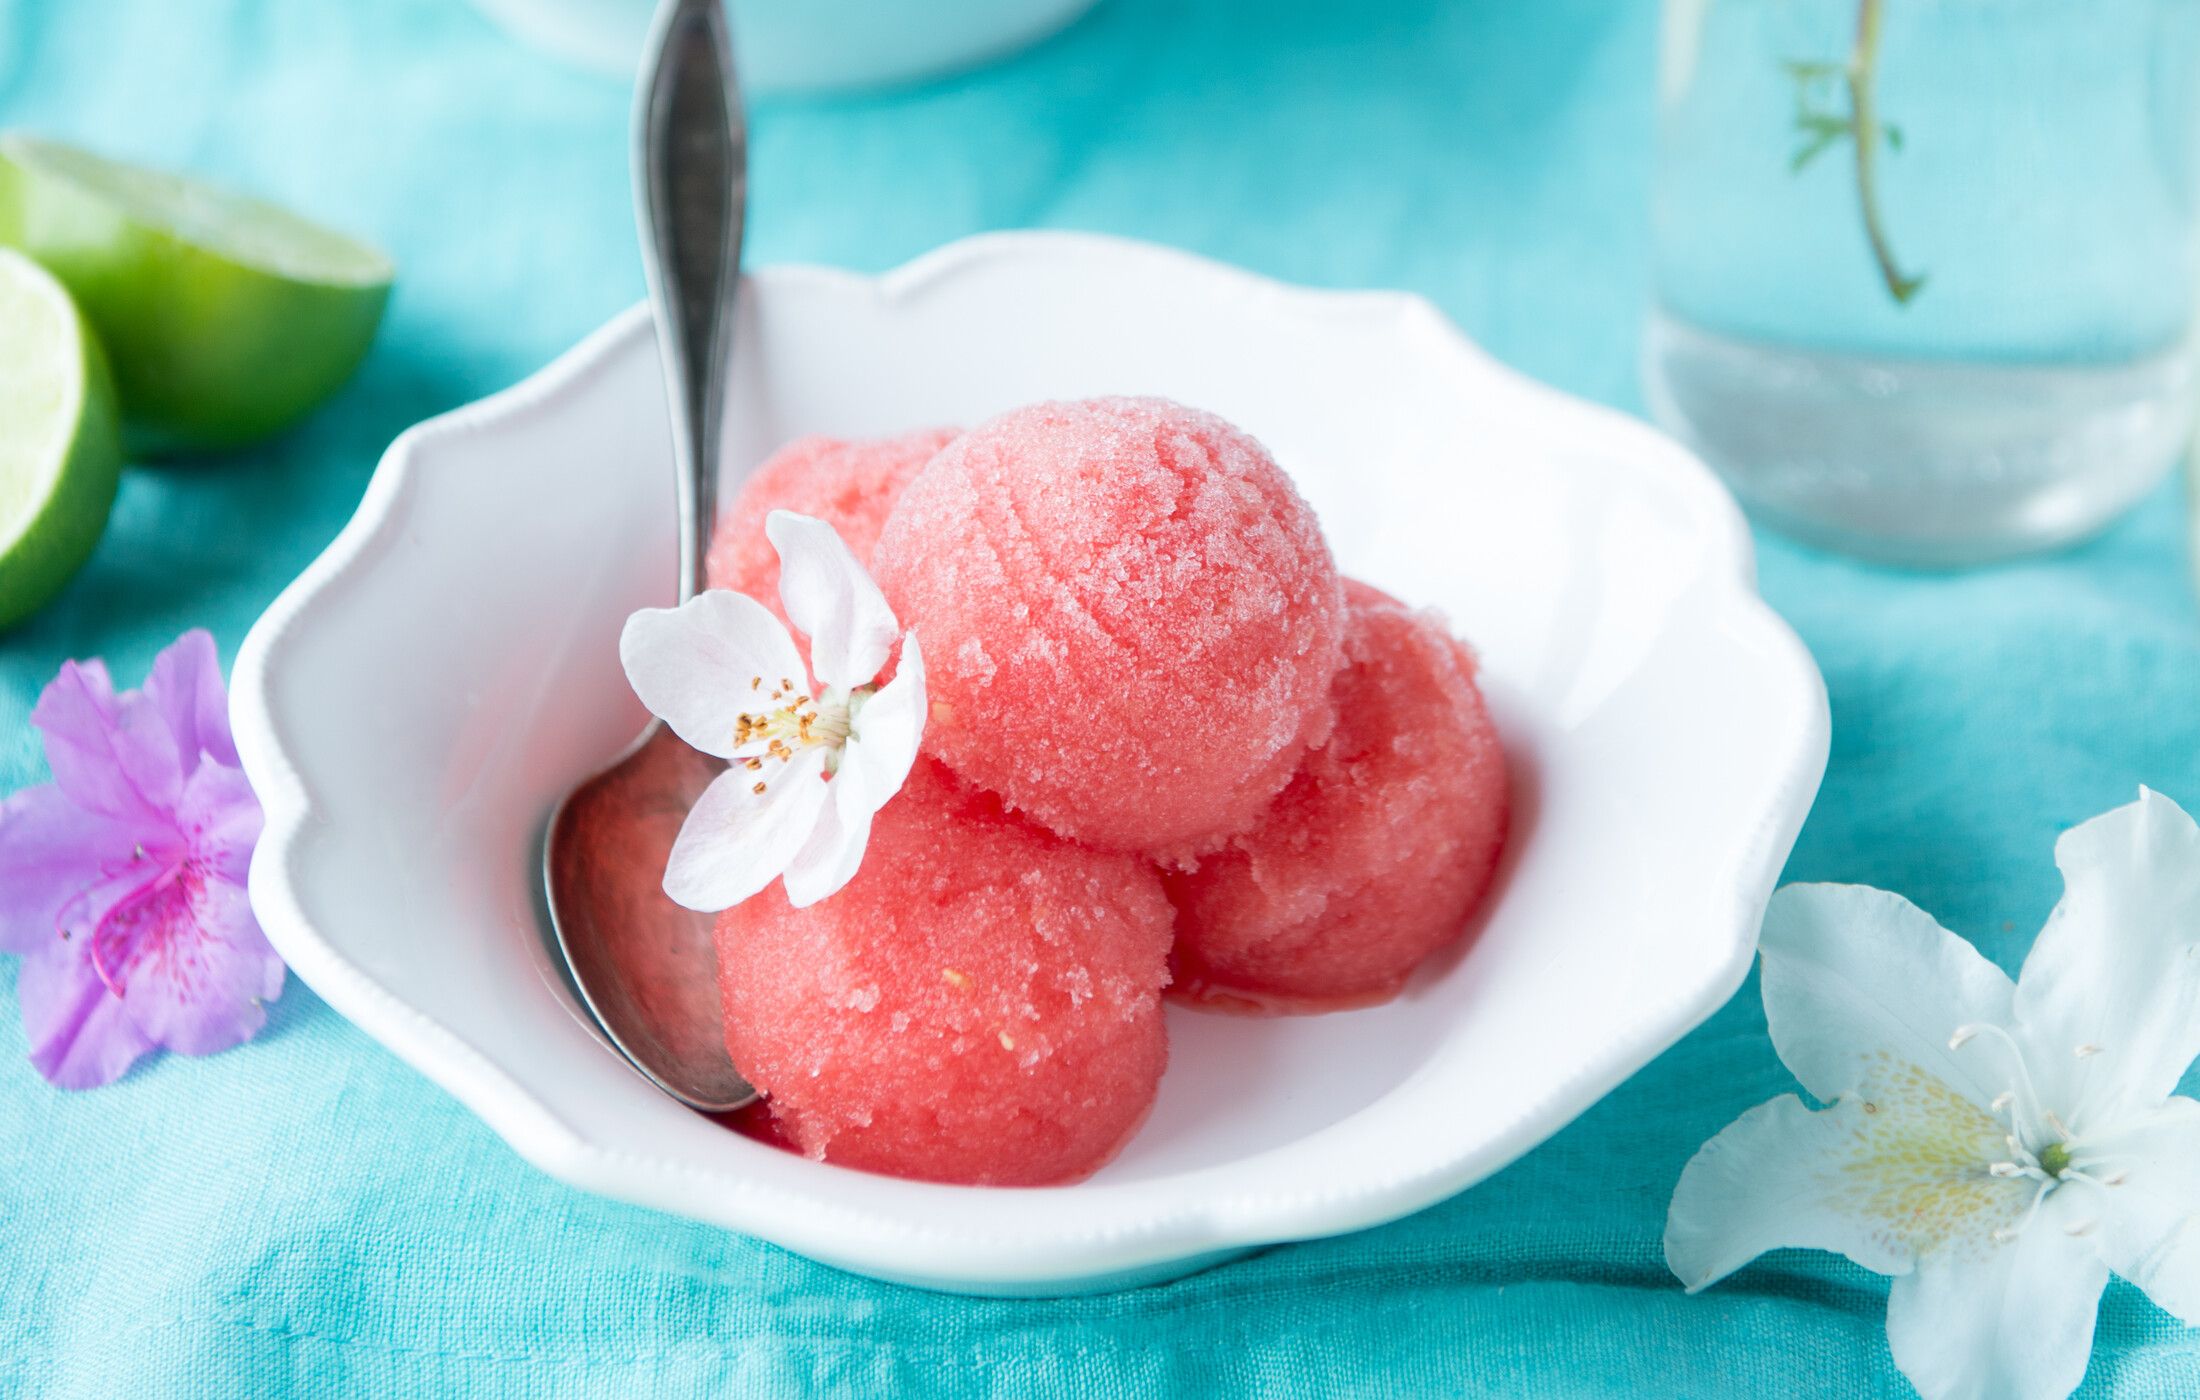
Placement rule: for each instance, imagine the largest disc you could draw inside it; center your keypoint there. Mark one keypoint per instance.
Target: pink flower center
(155, 926)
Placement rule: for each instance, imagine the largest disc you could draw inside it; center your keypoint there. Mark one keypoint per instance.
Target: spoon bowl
(641, 963)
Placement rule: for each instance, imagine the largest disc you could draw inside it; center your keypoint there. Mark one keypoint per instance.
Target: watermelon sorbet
(1129, 617)
(850, 484)
(1380, 849)
(981, 1004)
(1161, 738)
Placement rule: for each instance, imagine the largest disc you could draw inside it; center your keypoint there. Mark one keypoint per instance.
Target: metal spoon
(643, 964)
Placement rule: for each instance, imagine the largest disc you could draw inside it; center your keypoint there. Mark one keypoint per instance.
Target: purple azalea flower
(122, 880)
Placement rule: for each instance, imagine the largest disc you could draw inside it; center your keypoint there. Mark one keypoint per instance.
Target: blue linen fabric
(306, 1215)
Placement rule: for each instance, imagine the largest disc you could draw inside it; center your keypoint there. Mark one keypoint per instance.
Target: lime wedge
(226, 319)
(60, 446)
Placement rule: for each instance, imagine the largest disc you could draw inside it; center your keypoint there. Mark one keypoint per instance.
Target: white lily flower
(810, 763)
(1997, 1147)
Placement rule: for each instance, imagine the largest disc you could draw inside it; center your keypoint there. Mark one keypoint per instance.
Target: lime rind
(249, 232)
(225, 319)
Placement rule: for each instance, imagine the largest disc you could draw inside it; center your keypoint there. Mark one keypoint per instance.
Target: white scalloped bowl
(412, 706)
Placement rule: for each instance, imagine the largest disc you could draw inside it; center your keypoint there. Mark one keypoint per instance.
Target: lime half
(60, 446)
(226, 319)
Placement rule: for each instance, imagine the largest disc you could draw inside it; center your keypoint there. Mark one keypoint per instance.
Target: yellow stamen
(801, 723)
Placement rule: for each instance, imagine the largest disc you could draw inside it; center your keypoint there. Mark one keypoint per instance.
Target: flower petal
(736, 840)
(832, 600)
(873, 766)
(1853, 975)
(2117, 968)
(835, 850)
(1763, 1184)
(886, 734)
(79, 1034)
(700, 665)
(2150, 1220)
(110, 753)
(220, 820)
(51, 853)
(185, 686)
(191, 963)
(2016, 1324)
(1885, 1176)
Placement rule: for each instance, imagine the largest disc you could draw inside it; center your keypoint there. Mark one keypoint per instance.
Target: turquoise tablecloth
(307, 1214)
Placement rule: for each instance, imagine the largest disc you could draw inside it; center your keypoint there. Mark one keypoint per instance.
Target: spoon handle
(691, 178)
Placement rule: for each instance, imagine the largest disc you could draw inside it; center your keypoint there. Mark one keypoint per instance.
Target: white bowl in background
(412, 706)
(802, 45)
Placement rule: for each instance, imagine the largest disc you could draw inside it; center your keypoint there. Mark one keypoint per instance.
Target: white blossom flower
(1997, 1147)
(810, 763)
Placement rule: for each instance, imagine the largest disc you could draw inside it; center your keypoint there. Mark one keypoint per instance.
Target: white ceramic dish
(411, 707)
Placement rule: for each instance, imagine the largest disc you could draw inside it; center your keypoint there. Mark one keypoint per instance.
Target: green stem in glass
(1819, 128)
(1863, 73)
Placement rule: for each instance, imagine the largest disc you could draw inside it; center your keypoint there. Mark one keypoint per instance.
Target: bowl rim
(854, 1235)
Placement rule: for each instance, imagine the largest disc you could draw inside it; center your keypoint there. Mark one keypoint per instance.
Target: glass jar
(1925, 270)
